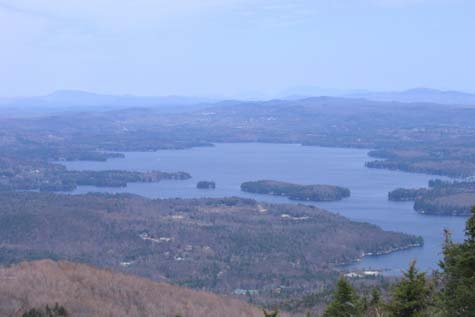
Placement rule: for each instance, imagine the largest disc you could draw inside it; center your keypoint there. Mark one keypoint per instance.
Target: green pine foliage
(375, 306)
(345, 301)
(458, 274)
(411, 296)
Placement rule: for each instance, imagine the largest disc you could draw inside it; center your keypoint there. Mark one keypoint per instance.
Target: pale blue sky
(229, 47)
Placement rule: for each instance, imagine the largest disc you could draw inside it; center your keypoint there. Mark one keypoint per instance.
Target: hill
(87, 291)
(223, 245)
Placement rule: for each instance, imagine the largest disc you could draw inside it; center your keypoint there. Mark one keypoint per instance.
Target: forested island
(295, 191)
(441, 198)
(206, 185)
(407, 194)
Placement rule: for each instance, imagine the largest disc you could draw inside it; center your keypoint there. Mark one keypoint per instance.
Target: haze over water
(231, 164)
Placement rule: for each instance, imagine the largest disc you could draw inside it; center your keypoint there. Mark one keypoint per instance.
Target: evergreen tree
(375, 297)
(364, 304)
(375, 306)
(458, 274)
(411, 296)
(345, 301)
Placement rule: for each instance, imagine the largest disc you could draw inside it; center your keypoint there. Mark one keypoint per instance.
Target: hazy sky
(227, 47)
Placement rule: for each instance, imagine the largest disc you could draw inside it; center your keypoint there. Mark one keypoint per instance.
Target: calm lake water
(231, 164)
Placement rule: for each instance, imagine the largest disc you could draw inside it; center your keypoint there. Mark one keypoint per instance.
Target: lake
(231, 164)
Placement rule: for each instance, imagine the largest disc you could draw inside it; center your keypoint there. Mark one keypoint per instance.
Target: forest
(214, 244)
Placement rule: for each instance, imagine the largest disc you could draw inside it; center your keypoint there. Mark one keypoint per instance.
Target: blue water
(231, 164)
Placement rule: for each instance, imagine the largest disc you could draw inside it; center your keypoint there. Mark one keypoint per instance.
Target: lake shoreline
(235, 163)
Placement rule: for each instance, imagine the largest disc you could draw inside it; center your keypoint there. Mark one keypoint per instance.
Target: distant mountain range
(302, 92)
(425, 95)
(65, 99)
(74, 99)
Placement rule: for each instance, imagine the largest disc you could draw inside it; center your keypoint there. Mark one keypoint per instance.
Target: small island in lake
(206, 185)
(295, 191)
(406, 194)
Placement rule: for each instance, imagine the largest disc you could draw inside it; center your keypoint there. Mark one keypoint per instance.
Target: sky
(234, 47)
